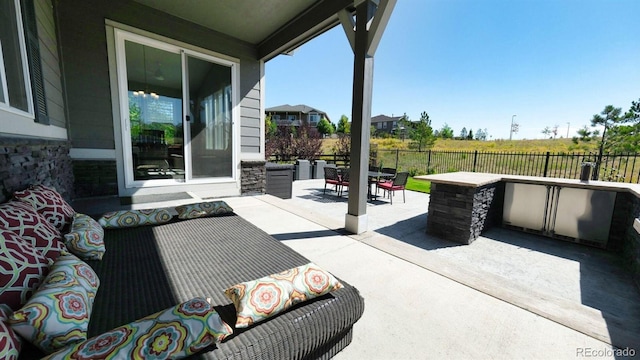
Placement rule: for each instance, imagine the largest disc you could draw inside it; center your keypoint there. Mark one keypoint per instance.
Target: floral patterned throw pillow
(131, 218)
(58, 312)
(173, 333)
(85, 238)
(203, 209)
(260, 299)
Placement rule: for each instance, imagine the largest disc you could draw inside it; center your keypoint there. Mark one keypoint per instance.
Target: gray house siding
(86, 73)
(25, 161)
(83, 45)
(250, 115)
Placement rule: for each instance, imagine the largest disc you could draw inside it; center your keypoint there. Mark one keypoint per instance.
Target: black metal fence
(339, 160)
(612, 167)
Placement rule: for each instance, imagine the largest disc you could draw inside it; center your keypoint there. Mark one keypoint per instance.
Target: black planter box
(279, 180)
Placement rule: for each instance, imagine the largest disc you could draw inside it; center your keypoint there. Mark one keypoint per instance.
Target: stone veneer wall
(24, 162)
(460, 214)
(95, 178)
(631, 246)
(621, 220)
(253, 179)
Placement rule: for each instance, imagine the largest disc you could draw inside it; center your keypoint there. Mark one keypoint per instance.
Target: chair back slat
(389, 171)
(401, 179)
(331, 173)
(345, 176)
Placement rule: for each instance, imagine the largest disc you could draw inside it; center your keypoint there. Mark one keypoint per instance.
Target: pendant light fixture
(144, 93)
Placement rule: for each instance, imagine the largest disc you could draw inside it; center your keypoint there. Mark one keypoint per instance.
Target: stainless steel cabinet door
(585, 214)
(524, 205)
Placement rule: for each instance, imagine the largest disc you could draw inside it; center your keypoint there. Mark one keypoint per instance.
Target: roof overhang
(273, 26)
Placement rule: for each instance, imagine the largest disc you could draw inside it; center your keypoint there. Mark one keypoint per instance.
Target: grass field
(552, 157)
(418, 185)
(528, 146)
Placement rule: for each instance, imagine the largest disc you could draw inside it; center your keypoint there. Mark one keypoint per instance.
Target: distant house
(384, 123)
(295, 115)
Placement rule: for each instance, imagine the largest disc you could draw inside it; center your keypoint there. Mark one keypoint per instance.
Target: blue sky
(475, 63)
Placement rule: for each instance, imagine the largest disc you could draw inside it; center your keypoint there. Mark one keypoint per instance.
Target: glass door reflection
(154, 82)
(210, 118)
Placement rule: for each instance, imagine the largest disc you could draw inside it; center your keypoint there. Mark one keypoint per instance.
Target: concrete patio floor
(507, 295)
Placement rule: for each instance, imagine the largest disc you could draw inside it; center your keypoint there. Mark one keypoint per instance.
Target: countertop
(471, 179)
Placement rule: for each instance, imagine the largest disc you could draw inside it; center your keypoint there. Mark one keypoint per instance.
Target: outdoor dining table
(377, 175)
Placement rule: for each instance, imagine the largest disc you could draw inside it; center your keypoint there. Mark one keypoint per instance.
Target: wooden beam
(317, 19)
(380, 21)
(349, 26)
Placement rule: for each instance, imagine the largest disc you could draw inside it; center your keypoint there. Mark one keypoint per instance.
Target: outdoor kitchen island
(603, 214)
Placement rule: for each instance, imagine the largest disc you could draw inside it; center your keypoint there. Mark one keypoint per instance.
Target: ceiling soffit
(274, 26)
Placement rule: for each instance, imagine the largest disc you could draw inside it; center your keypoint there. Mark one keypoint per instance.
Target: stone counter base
(460, 213)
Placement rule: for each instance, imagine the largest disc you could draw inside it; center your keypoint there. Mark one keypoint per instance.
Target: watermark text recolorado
(606, 352)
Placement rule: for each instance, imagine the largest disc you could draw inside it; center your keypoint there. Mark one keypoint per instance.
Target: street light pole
(568, 126)
(511, 129)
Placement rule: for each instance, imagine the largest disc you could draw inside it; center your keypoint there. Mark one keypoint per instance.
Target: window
(20, 55)
(314, 118)
(13, 71)
(291, 117)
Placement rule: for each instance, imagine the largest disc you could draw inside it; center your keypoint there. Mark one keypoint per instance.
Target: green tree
(324, 127)
(270, 126)
(470, 136)
(464, 133)
(609, 118)
(344, 127)
(625, 137)
(422, 132)
(546, 132)
(634, 112)
(585, 134)
(446, 132)
(405, 128)
(481, 134)
(135, 117)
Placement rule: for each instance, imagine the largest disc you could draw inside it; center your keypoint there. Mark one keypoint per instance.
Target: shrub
(413, 171)
(288, 143)
(343, 145)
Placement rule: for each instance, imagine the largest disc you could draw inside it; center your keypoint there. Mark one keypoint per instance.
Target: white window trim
(25, 69)
(3, 77)
(17, 122)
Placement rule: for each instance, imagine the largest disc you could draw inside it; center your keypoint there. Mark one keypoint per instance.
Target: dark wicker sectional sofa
(150, 268)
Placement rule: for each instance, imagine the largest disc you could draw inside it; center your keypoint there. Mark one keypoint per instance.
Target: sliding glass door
(210, 110)
(177, 110)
